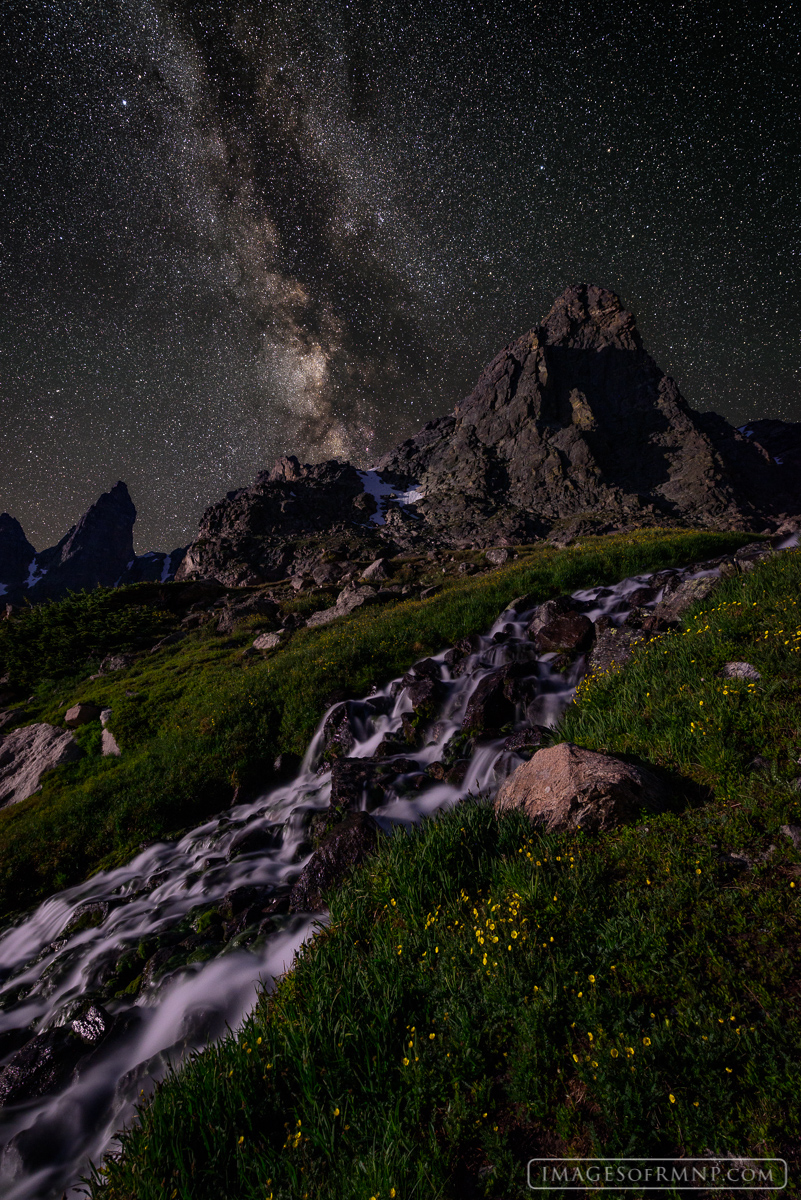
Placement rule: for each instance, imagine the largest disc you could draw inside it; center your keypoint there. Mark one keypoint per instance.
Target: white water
(48, 1141)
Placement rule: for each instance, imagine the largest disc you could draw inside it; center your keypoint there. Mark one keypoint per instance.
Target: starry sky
(230, 231)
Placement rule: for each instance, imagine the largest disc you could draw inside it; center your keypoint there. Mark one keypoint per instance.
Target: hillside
(535, 673)
(486, 993)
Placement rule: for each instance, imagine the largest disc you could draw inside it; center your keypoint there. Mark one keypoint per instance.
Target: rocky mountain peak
(588, 317)
(98, 550)
(107, 524)
(571, 429)
(16, 552)
(285, 470)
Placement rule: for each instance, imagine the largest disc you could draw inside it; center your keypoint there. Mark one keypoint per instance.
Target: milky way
(231, 231)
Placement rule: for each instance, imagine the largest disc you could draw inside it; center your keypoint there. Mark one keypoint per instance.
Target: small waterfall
(60, 965)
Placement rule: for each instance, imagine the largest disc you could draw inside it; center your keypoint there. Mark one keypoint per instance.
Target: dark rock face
(47, 1060)
(568, 633)
(493, 703)
(244, 538)
(572, 428)
(575, 420)
(358, 780)
(545, 613)
(782, 440)
(153, 567)
(95, 551)
(16, 552)
(348, 844)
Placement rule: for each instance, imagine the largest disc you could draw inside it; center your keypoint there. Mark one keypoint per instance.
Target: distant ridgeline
(572, 429)
(98, 550)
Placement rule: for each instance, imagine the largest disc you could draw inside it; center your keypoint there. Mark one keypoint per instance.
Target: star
(310, 224)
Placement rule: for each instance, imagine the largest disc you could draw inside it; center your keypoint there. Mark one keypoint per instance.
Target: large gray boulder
(350, 598)
(567, 787)
(81, 714)
(27, 753)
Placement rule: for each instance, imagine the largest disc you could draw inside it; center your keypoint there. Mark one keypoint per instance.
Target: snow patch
(3, 589)
(381, 493)
(165, 570)
(34, 574)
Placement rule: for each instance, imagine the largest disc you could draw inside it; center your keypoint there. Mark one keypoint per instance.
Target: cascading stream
(56, 962)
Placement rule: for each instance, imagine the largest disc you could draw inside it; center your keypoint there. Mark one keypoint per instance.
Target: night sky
(231, 231)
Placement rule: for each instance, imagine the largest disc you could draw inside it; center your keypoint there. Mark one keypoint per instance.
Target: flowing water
(52, 975)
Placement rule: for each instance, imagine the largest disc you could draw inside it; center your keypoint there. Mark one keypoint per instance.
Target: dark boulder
(681, 594)
(328, 573)
(545, 614)
(355, 781)
(88, 916)
(255, 840)
(81, 714)
(425, 695)
(247, 908)
(455, 657)
(343, 848)
(95, 551)
(570, 633)
(426, 668)
(338, 735)
(47, 1061)
(16, 552)
(456, 774)
(528, 739)
(494, 702)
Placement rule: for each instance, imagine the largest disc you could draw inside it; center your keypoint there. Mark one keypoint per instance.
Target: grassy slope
(484, 995)
(202, 719)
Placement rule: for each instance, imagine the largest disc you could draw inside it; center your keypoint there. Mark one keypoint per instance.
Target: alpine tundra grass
(484, 994)
(197, 719)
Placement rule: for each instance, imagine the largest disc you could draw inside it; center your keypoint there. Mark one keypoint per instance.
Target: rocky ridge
(97, 551)
(571, 429)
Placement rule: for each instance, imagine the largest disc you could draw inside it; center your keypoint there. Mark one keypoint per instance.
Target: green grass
(47, 642)
(202, 720)
(641, 996)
